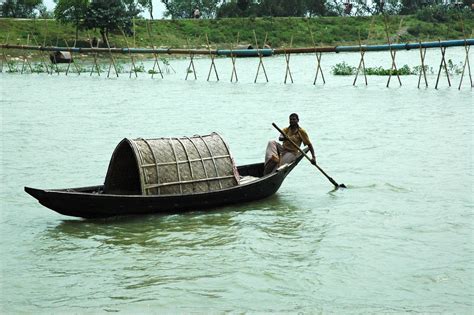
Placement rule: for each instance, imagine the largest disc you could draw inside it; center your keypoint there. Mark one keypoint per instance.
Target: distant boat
(60, 57)
(127, 193)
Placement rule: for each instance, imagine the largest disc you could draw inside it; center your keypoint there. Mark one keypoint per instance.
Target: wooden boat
(60, 57)
(92, 202)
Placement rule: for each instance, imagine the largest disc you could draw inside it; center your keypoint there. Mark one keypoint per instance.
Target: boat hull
(90, 202)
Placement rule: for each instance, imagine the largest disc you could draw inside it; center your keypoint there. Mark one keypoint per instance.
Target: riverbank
(224, 33)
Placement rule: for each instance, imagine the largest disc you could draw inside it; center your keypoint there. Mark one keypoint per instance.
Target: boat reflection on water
(213, 227)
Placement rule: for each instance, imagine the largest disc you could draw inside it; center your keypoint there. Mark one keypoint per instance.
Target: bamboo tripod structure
(191, 64)
(392, 54)
(78, 70)
(25, 59)
(55, 64)
(213, 65)
(287, 59)
(466, 60)
(155, 56)
(318, 61)
(95, 65)
(362, 54)
(112, 60)
(43, 56)
(361, 63)
(233, 59)
(441, 66)
(260, 56)
(4, 57)
(132, 59)
(422, 67)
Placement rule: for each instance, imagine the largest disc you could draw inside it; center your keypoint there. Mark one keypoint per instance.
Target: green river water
(399, 240)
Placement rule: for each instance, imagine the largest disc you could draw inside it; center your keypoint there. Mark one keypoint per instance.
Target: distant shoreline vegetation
(227, 33)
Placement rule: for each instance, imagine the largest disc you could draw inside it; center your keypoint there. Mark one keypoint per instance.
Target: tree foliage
(71, 11)
(110, 15)
(20, 8)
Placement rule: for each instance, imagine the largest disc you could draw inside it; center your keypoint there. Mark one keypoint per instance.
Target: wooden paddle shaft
(304, 153)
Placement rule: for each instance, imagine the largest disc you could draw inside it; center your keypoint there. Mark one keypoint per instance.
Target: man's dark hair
(295, 115)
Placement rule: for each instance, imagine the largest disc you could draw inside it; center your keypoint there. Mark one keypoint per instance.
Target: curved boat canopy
(170, 166)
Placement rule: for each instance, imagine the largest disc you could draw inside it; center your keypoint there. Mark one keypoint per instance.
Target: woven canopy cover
(170, 166)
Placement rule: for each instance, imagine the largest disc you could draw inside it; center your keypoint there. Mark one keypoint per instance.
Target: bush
(343, 69)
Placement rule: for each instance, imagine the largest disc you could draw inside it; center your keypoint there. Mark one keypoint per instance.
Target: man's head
(294, 120)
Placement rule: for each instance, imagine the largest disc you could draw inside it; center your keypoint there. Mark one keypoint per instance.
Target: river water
(398, 240)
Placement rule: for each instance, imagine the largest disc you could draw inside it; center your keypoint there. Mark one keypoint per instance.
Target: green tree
(179, 9)
(20, 8)
(71, 11)
(108, 16)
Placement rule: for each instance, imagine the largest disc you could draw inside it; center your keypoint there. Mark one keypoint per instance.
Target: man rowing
(279, 154)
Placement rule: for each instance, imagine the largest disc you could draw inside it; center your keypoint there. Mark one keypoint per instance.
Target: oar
(309, 159)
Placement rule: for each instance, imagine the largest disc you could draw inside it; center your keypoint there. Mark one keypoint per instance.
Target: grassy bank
(222, 32)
